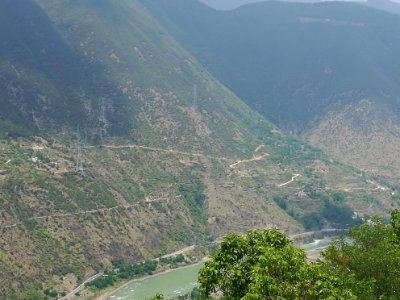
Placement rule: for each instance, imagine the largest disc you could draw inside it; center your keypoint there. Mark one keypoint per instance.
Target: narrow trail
(71, 295)
(310, 233)
(255, 158)
(221, 158)
(133, 146)
(86, 212)
(378, 187)
(91, 211)
(176, 253)
(149, 200)
(235, 164)
(290, 181)
(258, 148)
(58, 216)
(80, 287)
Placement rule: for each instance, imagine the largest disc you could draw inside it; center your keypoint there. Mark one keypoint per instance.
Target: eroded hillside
(364, 134)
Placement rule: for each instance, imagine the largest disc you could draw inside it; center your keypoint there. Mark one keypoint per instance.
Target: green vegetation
(34, 294)
(122, 271)
(126, 271)
(266, 265)
(115, 141)
(193, 195)
(193, 295)
(172, 260)
(369, 259)
(262, 53)
(332, 209)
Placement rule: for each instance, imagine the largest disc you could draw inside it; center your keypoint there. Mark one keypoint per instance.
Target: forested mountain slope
(116, 143)
(303, 66)
(292, 61)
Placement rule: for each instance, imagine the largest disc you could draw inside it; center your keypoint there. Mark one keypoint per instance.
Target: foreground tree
(369, 260)
(265, 265)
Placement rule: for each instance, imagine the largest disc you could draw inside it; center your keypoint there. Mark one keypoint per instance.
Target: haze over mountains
(119, 141)
(386, 5)
(226, 4)
(302, 66)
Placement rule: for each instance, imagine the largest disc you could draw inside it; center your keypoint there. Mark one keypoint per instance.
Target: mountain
(385, 5)
(232, 4)
(302, 66)
(117, 144)
(227, 4)
(292, 60)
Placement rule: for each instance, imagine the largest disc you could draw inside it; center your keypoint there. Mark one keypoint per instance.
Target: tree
(33, 295)
(369, 260)
(265, 265)
(395, 216)
(158, 297)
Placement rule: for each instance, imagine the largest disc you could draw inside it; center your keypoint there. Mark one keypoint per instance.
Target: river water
(174, 283)
(317, 244)
(180, 281)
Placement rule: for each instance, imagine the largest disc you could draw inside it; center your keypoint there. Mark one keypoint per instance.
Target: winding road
(92, 211)
(79, 288)
(133, 146)
(255, 158)
(86, 212)
(290, 181)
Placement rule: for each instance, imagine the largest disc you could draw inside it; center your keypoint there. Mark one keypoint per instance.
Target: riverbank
(176, 285)
(125, 285)
(305, 238)
(191, 254)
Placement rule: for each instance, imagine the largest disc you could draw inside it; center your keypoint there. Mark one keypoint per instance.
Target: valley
(181, 281)
(149, 213)
(120, 144)
(326, 72)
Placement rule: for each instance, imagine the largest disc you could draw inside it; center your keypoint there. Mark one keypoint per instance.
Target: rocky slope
(364, 134)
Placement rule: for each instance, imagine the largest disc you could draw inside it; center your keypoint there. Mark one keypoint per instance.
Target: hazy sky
(230, 4)
(227, 4)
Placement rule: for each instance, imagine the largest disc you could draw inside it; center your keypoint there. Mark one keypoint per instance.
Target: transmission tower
(102, 121)
(78, 147)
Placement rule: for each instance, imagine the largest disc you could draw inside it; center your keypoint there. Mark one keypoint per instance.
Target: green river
(173, 283)
(179, 281)
(317, 244)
